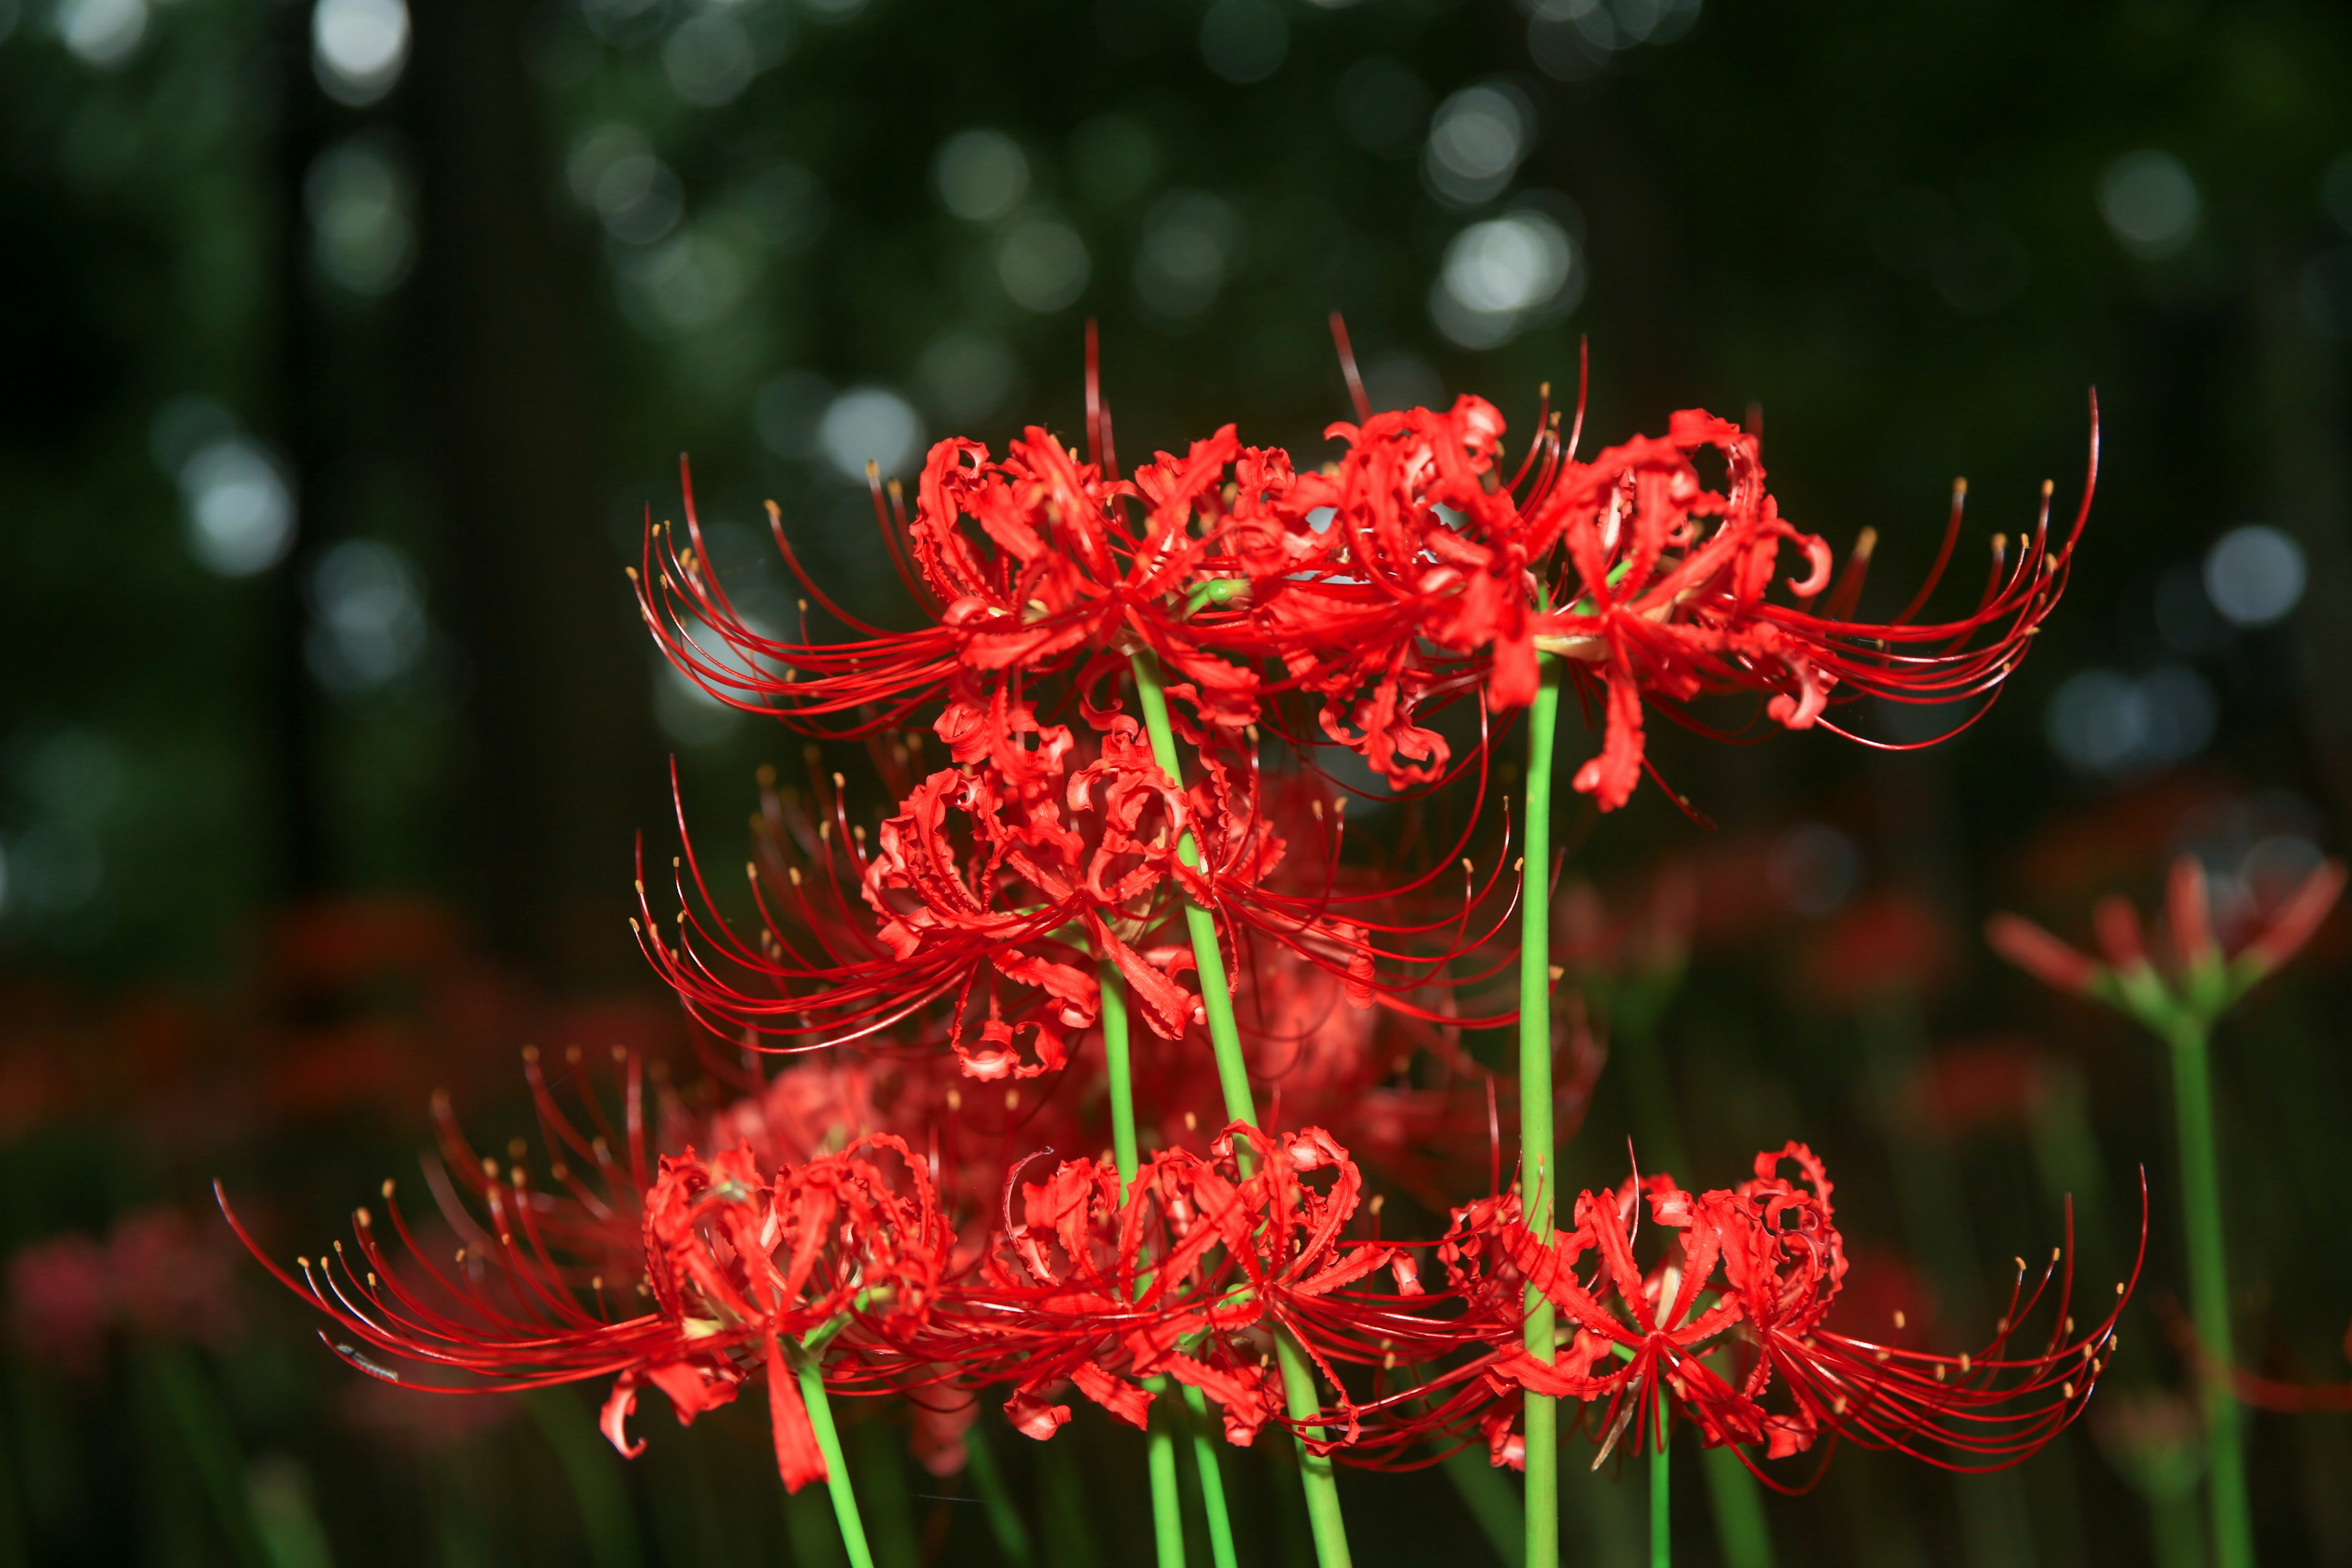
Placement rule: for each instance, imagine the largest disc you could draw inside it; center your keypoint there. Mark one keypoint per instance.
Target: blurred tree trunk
(560, 766)
(2310, 494)
(304, 854)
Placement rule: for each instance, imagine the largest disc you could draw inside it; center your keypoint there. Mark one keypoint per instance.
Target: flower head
(1031, 567)
(1005, 886)
(742, 1271)
(1188, 1273)
(1416, 571)
(1728, 1330)
(2197, 981)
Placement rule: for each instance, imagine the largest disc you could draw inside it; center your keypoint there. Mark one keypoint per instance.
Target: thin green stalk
(1536, 1140)
(1166, 1500)
(1316, 1472)
(593, 1472)
(1216, 994)
(1661, 1527)
(1299, 1394)
(1003, 1519)
(192, 1408)
(1194, 1420)
(1487, 1496)
(1119, 1072)
(2208, 1288)
(1167, 1497)
(1740, 1529)
(836, 1464)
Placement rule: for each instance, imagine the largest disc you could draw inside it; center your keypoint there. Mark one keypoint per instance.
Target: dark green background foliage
(287, 848)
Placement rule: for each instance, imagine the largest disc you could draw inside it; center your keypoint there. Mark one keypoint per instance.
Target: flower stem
(1662, 1534)
(1314, 1470)
(1535, 1154)
(1194, 1419)
(837, 1466)
(1005, 1521)
(1216, 994)
(1741, 1530)
(1159, 1457)
(1167, 1500)
(1120, 1076)
(2209, 1287)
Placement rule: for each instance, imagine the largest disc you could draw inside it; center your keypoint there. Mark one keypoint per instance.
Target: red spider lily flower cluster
(2198, 979)
(874, 1225)
(739, 1265)
(153, 1275)
(1728, 1330)
(1415, 569)
(1034, 566)
(1185, 1274)
(1411, 570)
(1005, 887)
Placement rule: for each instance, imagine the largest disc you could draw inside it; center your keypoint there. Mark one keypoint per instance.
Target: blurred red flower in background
(154, 1275)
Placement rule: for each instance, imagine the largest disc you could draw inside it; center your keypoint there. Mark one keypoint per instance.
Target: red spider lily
(1037, 564)
(2198, 978)
(741, 1267)
(1675, 1337)
(1430, 574)
(1999, 1084)
(153, 1276)
(1189, 1278)
(1003, 887)
(1887, 943)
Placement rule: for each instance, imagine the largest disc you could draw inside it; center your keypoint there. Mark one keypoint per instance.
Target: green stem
(1160, 1451)
(1739, 1524)
(1194, 1419)
(1536, 1142)
(193, 1408)
(1316, 1472)
(1487, 1496)
(837, 1466)
(1216, 994)
(2209, 1288)
(1741, 1531)
(1004, 1519)
(1662, 1533)
(1167, 1497)
(1118, 1072)
(1232, 1078)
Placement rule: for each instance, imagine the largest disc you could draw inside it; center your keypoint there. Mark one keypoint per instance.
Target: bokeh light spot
(2150, 203)
(1043, 265)
(2254, 575)
(982, 176)
(359, 47)
(871, 423)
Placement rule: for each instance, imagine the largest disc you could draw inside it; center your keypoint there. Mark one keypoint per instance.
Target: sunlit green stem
(1233, 1078)
(1314, 1470)
(1200, 1428)
(2209, 1288)
(1167, 1501)
(837, 1466)
(1662, 1534)
(1535, 1154)
(1159, 1458)
(1216, 994)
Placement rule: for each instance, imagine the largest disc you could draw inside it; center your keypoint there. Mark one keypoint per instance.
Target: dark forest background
(346, 348)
